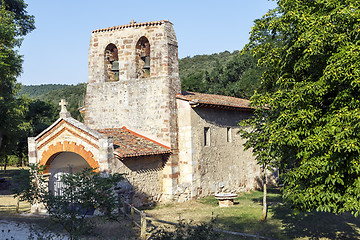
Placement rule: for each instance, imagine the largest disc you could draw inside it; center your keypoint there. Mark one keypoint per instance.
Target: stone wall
(222, 164)
(143, 178)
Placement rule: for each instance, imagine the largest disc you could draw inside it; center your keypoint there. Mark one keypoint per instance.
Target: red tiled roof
(130, 25)
(214, 101)
(130, 144)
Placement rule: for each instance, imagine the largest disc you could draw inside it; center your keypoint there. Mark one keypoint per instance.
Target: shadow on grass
(315, 225)
(5, 186)
(247, 224)
(311, 225)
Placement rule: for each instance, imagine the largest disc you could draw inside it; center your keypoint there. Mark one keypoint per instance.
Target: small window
(206, 136)
(228, 134)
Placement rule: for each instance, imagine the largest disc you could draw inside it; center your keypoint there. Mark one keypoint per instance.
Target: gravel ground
(23, 231)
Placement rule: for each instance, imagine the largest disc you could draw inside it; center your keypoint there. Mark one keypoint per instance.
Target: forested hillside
(232, 74)
(53, 93)
(200, 63)
(34, 91)
(74, 95)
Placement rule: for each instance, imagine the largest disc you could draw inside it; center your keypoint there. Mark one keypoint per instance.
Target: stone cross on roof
(64, 112)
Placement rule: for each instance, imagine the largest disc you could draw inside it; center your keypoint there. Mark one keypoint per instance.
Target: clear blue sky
(57, 50)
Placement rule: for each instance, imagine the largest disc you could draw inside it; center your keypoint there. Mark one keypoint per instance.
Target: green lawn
(245, 217)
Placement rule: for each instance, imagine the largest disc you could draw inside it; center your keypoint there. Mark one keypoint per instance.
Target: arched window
(143, 58)
(111, 63)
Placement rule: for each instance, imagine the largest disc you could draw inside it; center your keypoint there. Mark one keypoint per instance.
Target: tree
(15, 134)
(312, 95)
(14, 24)
(37, 116)
(82, 193)
(258, 141)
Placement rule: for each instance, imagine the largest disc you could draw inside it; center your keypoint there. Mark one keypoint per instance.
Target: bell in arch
(115, 66)
(147, 62)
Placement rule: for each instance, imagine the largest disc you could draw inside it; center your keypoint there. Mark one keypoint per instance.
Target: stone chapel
(170, 144)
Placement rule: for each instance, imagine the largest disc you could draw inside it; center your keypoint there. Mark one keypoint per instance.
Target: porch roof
(131, 144)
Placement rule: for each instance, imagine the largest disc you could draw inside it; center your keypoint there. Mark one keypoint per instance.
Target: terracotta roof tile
(214, 101)
(130, 144)
(132, 25)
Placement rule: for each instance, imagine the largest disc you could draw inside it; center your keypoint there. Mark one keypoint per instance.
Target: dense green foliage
(311, 126)
(37, 115)
(82, 193)
(35, 91)
(14, 24)
(53, 93)
(74, 95)
(232, 74)
(201, 63)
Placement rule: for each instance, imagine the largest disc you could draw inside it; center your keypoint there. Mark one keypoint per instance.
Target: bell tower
(133, 80)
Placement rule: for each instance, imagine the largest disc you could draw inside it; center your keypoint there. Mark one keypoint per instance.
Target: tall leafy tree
(14, 24)
(37, 115)
(312, 101)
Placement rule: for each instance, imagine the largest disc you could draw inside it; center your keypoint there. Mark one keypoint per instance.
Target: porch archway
(64, 163)
(54, 150)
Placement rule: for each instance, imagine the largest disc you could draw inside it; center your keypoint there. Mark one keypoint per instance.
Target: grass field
(244, 216)
(7, 201)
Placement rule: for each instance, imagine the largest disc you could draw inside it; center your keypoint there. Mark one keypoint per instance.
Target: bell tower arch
(111, 63)
(143, 58)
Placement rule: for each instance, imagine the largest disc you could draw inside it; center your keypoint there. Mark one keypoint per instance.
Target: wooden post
(143, 226)
(132, 215)
(18, 205)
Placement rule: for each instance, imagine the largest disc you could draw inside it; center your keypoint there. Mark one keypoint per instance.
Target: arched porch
(64, 163)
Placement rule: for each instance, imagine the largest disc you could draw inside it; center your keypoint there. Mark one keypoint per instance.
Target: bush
(186, 231)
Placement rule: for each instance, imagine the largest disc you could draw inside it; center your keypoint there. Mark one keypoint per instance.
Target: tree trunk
(264, 215)
(5, 163)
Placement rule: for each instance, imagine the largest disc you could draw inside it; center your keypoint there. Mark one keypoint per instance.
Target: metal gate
(56, 186)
